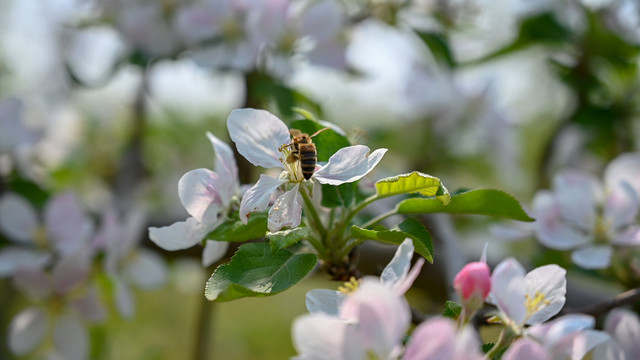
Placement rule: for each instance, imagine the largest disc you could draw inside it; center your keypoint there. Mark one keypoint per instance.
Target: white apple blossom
(569, 217)
(264, 140)
(207, 196)
(438, 338)
(531, 298)
(624, 328)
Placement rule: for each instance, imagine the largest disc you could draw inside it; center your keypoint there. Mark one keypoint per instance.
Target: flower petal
(550, 281)
(70, 338)
(349, 164)
(398, 267)
(27, 330)
(433, 339)
(380, 315)
(18, 219)
(89, 306)
(180, 235)
(526, 349)
(71, 271)
(593, 257)
(13, 258)
(286, 211)
(34, 282)
(629, 237)
(508, 289)
(551, 231)
(67, 224)
(213, 252)
(578, 344)
(124, 299)
(226, 168)
(624, 326)
(148, 270)
(258, 134)
(324, 337)
(577, 196)
(624, 168)
(324, 301)
(552, 332)
(199, 192)
(257, 197)
(621, 207)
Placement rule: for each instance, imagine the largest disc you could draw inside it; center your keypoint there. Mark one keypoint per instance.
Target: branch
(625, 298)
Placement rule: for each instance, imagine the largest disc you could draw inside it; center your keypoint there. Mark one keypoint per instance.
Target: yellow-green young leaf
(421, 238)
(415, 182)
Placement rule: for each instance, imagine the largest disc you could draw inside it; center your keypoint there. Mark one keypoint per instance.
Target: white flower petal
(324, 301)
(124, 299)
(467, 345)
(148, 270)
(348, 165)
(508, 289)
(324, 337)
(199, 192)
(226, 168)
(67, 224)
(398, 267)
(629, 237)
(577, 345)
(18, 219)
(213, 252)
(258, 134)
(27, 330)
(381, 317)
(257, 197)
(71, 271)
(34, 282)
(621, 207)
(577, 197)
(551, 281)
(624, 168)
(550, 333)
(433, 339)
(70, 338)
(552, 232)
(180, 235)
(89, 306)
(593, 257)
(624, 326)
(526, 349)
(286, 211)
(13, 258)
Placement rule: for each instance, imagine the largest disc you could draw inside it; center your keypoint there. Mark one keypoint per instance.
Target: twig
(626, 298)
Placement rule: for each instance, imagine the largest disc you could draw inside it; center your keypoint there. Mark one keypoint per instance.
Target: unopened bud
(473, 284)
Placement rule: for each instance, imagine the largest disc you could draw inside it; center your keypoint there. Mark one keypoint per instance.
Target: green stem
(380, 217)
(506, 335)
(314, 214)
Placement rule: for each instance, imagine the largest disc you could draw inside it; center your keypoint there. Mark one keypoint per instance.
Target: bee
(304, 151)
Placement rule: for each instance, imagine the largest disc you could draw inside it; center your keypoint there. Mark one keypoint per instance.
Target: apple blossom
(527, 299)
(263, 139)
(624, 328)
(473, 284)
(207, 197)
(438, 338)
(396, 275)
(568, 216)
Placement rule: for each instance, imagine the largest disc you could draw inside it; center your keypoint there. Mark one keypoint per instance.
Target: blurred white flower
(206, 195)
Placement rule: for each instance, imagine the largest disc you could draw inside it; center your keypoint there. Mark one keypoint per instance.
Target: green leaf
(234, 230)
(415, 182)
(422, 241)
(438, 45)
(285, 238)
(327, 142)
(487, 347)
(452, 309)
(255, 271)
(338, 196)
(420, 237)
(479, 202)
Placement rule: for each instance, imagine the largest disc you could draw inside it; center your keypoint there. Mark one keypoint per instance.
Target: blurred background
(104, 105)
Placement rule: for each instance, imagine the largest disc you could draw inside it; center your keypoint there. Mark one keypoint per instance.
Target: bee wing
(295, 132)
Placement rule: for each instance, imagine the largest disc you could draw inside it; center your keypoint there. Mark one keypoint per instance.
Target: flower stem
(314, 214)
(380, 217)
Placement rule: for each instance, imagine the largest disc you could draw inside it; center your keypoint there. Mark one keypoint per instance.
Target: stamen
(350, 286)
(534, 304)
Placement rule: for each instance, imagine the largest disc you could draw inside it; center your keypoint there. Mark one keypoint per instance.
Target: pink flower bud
(473, 281)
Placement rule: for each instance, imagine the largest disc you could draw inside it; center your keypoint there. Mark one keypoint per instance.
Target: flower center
(291, 163)
(535, 303)
(350, 286)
